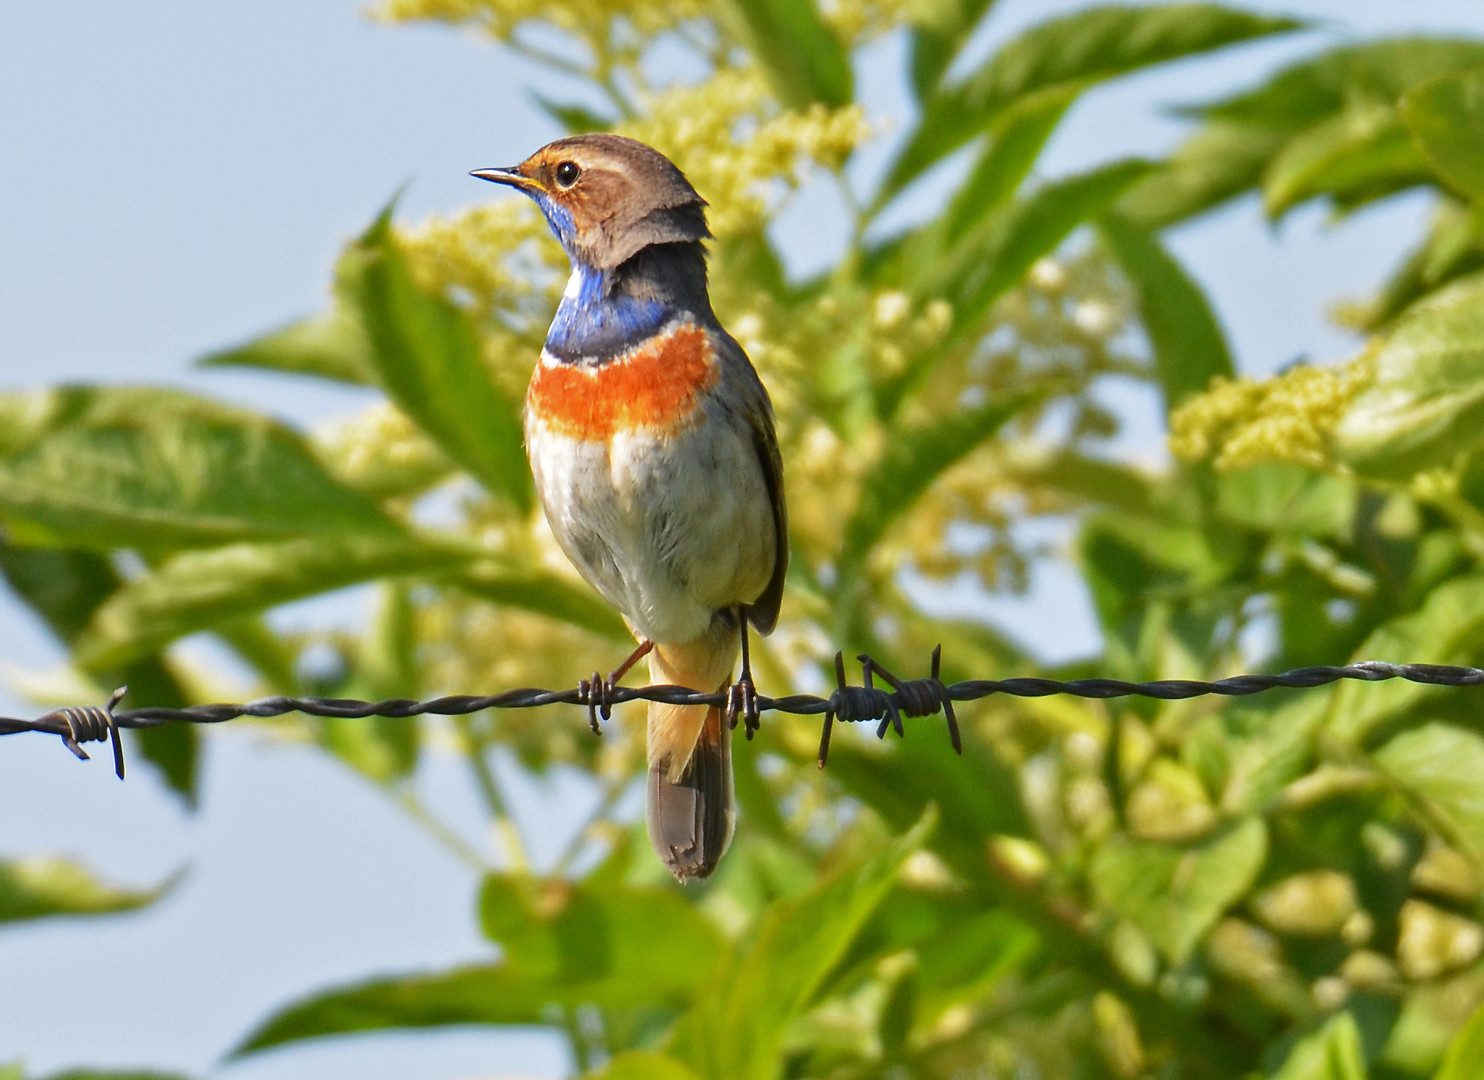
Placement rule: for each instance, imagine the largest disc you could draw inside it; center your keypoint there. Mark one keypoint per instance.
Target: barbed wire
(847, 703)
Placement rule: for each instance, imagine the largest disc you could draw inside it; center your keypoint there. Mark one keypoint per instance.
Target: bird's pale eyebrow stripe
(655, 385)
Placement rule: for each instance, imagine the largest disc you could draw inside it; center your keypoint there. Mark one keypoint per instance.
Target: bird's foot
(742, 705)
(598, 693)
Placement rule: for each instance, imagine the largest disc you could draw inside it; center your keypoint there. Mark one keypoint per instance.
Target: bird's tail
(690, 806)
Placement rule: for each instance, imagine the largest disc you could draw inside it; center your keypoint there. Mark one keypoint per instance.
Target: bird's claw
(742, 704)
(597, 694)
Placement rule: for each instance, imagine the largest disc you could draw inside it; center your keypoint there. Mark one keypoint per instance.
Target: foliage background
(272, 859)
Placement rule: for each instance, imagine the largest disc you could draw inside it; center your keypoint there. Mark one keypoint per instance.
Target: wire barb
(847, 704)
(90, 723)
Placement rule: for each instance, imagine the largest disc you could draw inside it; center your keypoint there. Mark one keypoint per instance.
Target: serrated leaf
(1074, 51)
(1439, 766)
(426, 354)
(1362, 153)
(196, 590)
(1189, 347)
(804, 58)
(1446, 117)
(1425, 404)
(735, 1029)
(1174, 893)
(332, 345)
(161, 469)
(41, 887)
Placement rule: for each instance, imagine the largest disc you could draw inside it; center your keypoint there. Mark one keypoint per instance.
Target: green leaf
(477, 994)
(735, 1029)
(913, 459)
(426, 353)
(565, 945)
(1217, 163)
(1425, 404)
(545, 594)
(1015, 143)
(1176, 893)
(196, 590)
(1331, 1053)
(40, 887)
(1445, 629)
(641, 1065)
(939, 31)
(160, 469)
(381, 748)
(993, 259)
(976, 794)
(1465, 1058)
(572, 117)
(1074, 52)
(1453, 247)
(1315, 89)
(1439, 766)
(601, 936)
(65, 588)
(332, 346)
(802, 55)
(1446, 117)
(1189, 347)
(1358, 155)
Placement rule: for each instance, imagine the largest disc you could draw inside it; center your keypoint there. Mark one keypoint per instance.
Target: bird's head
(607, 197)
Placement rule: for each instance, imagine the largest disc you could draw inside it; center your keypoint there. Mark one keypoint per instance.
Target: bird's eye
(567, 173)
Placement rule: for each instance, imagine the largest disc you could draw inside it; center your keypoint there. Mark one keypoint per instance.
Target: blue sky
(177, 177)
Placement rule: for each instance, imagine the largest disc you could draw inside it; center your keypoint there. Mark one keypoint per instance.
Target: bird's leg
(742, 694)
(644, 649)
(598, 691)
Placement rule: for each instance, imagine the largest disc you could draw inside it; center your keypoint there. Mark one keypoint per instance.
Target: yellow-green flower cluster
(858, 21)
(1239, 422)
(500, 18)
(469, 643)
(382, 451)
(737, 147)
(498, 261)
(490, 256)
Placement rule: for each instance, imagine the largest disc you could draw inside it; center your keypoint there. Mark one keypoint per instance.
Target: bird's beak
(513, 177)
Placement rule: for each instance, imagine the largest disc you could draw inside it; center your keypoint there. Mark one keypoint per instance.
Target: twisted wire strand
(847, 703)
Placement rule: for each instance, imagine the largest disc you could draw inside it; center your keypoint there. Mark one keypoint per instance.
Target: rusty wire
(847, 703)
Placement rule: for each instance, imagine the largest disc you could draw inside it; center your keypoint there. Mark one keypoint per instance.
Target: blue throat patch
(594, 325)
(591, 324)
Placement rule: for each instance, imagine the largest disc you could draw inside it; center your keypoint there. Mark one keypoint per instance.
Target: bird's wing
(758, 412)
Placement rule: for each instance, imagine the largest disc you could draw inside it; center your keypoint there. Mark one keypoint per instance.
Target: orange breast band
(657, 385)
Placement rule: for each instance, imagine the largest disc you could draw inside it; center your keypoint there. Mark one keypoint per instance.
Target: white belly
(669, 530)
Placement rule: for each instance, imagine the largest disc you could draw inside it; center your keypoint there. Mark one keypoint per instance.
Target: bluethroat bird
(651, 440)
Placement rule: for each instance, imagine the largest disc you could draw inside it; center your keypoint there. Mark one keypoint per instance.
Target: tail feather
(690, 810)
